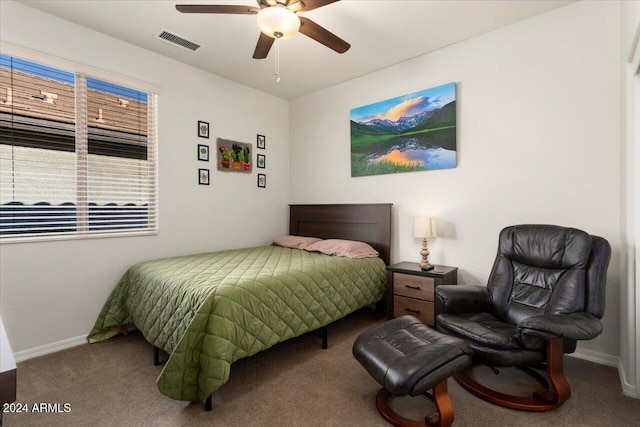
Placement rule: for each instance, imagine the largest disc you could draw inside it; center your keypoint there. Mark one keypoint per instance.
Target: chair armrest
(577, 326)
(457, 299)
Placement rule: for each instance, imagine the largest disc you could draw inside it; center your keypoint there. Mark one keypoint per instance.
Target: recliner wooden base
(540, 400)
(443, 416)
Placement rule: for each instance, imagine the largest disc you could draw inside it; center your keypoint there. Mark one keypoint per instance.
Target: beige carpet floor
(295, 383)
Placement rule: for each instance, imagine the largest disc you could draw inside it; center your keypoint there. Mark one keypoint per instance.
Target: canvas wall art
(408, 133)
(233, 156)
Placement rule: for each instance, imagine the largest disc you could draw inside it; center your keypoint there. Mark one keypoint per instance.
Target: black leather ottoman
(407, 357)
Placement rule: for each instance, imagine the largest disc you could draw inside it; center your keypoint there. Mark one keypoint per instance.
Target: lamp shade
(278, 22)
(423, 227)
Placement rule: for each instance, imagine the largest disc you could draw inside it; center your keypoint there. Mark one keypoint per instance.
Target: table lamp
(423, 227)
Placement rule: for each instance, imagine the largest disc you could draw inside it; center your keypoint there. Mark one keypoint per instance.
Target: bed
(209, 310)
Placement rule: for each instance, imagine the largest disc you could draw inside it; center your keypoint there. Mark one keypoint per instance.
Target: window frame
(88, 71)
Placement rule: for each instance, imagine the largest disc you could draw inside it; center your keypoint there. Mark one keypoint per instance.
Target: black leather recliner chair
(546, 291)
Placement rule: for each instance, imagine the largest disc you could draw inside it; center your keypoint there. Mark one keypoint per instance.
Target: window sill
(34, 239)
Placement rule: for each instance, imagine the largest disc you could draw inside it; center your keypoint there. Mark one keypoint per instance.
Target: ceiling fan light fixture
(278, 22)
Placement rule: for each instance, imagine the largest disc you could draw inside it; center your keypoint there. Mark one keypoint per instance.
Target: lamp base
(424, 263)
(426, 267)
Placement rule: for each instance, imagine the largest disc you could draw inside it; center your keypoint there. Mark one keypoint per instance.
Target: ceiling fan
(278, 19)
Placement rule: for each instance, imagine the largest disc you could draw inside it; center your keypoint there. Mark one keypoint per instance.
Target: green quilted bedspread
(209, 310)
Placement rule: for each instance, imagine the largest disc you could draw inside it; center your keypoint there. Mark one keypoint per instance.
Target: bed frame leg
(156, 356)
(323, 331)
(207, 403)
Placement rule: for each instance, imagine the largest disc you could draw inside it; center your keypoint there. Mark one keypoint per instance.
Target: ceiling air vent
(176, 40)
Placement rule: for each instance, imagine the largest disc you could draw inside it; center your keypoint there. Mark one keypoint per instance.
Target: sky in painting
(406, 106)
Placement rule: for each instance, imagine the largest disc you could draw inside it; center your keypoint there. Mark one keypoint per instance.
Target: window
(77, 154)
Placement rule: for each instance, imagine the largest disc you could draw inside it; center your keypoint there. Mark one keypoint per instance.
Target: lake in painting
(409, 133)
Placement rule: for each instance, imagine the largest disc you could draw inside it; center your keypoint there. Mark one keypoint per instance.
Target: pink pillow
(295, 242)
(346, 248)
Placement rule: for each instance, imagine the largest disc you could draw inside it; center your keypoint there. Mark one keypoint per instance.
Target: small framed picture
(261, 142)
(262, 180)
(203, 176)
(261, 161)
(203, 152)
(203, 129)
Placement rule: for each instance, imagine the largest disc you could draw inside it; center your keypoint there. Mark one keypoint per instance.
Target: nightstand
(410, 290)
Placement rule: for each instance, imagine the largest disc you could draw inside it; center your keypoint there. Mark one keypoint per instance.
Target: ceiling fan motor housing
(278, 22)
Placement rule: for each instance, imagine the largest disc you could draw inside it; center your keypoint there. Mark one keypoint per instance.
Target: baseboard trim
(596, 357)
(21, 356)
(629, 390)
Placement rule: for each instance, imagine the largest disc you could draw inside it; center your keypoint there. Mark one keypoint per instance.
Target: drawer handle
(412, 311)
(412, 287)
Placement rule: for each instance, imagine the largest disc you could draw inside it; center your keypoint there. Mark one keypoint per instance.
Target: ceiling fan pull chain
(277, 69)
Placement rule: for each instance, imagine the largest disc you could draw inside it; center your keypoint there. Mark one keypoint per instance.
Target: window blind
(77, 154)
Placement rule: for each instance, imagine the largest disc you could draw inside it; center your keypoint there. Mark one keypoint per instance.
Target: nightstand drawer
(423, 310)
(413, 286)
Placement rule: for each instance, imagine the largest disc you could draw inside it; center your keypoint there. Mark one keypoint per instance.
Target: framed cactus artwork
(203, 152)
(203, 129)
(234, 156)
(203, 176)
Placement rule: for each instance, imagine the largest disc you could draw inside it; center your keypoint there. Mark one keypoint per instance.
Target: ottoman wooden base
(407, 357)
(443, 416)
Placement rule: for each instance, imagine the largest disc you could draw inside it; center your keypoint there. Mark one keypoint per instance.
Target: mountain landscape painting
(408, 133)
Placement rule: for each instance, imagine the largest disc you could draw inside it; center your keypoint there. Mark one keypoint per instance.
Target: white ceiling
(381, 33)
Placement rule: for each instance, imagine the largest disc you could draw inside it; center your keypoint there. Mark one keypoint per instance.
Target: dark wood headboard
(369, 223)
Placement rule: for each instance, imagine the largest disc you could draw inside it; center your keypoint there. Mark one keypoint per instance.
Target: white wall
(538, 142)
(630, 31)
(51, 293)
(630, 295)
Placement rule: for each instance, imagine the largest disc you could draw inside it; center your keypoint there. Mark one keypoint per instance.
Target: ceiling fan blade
(214, 8)
(267, 3)
(314, 4)
(263, 47)
(321, 35)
